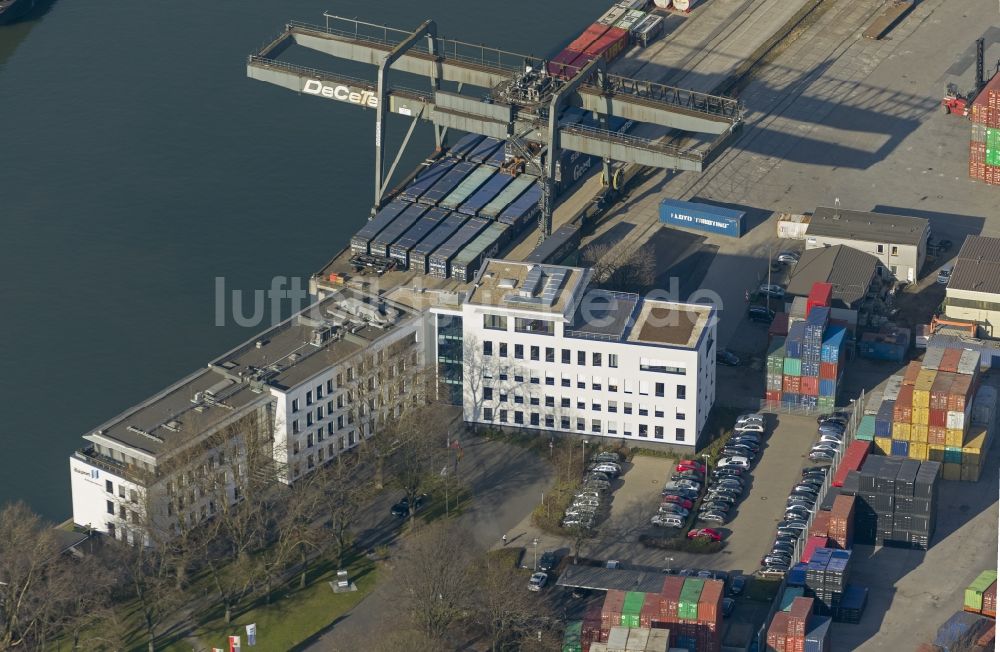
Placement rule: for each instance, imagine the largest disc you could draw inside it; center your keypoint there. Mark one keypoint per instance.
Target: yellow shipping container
(954, 437)
(935, 453)
(976, 441)
(950, 471)
(921, 416)
(921, 403)
(918, 451)
(900, 431)
(918, 432)
(883, 445)
(970, 472)
(925, 378)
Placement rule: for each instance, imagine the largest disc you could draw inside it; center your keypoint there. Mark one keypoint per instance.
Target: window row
(626, 407)
(580, 424)
(535, 353)
(596, 383)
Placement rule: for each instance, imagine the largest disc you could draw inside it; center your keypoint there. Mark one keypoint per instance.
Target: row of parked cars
(831, 430)
(802, 503)
(679, 494)
(731, 474)
(590, 500)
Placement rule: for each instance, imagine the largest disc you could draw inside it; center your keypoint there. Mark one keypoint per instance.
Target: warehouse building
(292, 398)
(858, 280)
(542, 350)
(973, 292)
(900, 243)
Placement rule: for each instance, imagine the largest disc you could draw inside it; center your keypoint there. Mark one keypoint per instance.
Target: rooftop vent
(259, 344)
(507, 283)
(532, 282)
(173, 425)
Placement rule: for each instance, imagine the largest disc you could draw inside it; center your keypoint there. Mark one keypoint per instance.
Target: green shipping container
(631, 608)
(687, 609)
(993, 155)
(953, 455)
(793, 367)
(826, 403)
(974, 592)
(866, 429)
(790, 594)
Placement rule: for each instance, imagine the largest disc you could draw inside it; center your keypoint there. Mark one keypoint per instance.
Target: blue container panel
(426, 179)
(465, 144)
(421, 254)
(479, 199)
(399, 226)
(827, 387)
(810, 368)
(573, 166)
(901, 448)
(447, 183)
(484, 150)
(400, 250)
(505, 198)
(522, 209)
(440, 261)
(702, 217)
(476, 180)
(497, 158)
(362, 239)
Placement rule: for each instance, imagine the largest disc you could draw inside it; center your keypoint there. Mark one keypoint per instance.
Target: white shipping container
(684, 5)
(792, 227)
(637, 639)
(956, 420)
(617, 639)
(659, 639)
(892, 388)
(663, 4)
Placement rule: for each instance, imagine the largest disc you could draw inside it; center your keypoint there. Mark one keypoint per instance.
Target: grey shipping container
(465, 145)
(421, 254)
(400, 250)
(486, 194)
(557, 246)
(440, 261)
(486, 245)
(469, 185)
(426, 179)
(447, 183)
(484, 150)
(702, 217)
(362, 239)
(391, 233)
(523, 209)
(513, 190)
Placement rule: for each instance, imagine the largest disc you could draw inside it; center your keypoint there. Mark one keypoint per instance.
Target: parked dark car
(402, 508)
(727, 358)
(548, 561)
(761, 314)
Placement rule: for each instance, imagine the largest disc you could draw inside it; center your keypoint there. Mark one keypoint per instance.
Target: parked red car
(691, 464)
(705, 532)
(677, 500)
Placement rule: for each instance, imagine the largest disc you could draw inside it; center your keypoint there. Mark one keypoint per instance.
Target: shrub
(681, 543)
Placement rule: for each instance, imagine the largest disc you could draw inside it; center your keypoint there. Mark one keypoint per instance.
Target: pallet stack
(984, 147)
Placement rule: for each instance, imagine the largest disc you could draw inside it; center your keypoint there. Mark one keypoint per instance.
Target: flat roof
(849, 270)
(281, 357)
(668, 323)
(603, 315)
(977, 268)
(522, 286)
(868, 227)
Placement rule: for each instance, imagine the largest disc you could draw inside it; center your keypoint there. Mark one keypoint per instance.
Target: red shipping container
(798, 616)
(609, 45)
(960, 393)
(990, 601)
(903, 412)
(792, 384)
(910, 375)
(940, 390)
(905, 396)
(938, 418)
(710, 603)
(779, 325)
(842, 521)
(820, 295)
(588, 38)
(778, 629)
(937, 435)
(853, 458)
(772, 396)
(671, 592)
(812, 544)
(809, 385)
(821, 525)
(562, 64)
(653, 608)
(611, 613)
(828, 370)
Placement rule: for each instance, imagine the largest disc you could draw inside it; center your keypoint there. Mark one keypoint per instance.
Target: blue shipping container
(797, 575)
(817, 634)
(485, 149)
(833, 341)
(901, 448)
(428, 178)
(485, 195)
(465, 145)
(702, 217)
(447, 183)
(883, 420)
(962, 629)
(827, 387)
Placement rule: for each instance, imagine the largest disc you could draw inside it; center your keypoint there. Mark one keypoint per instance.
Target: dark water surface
(138, 163)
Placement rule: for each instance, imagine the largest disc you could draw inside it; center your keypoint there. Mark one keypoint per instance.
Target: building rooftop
(603, 315)
(667, 323)
(281, 357)
(849, 269)
(869, 227)
(977, 267)
(521, 286)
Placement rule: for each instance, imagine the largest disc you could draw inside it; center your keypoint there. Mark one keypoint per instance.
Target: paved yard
(634, 503)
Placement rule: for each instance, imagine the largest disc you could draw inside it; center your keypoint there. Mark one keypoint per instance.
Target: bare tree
(345, 493)
(421, 432)
(503, 607)
(148, 575)
(433, 576)
(617, 268)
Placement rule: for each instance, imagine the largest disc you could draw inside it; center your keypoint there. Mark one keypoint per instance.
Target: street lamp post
(534, 545)
(585, 454)
(670, 563)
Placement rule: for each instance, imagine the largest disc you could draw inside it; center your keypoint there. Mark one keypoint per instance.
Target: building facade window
(495, 322)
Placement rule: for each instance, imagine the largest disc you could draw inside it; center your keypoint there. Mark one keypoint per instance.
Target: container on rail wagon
(362, 239)
(401, 248)
(426, 179)
(447, 183)
(421, 254)
(406, 219)
(485, 194)
(440, 260)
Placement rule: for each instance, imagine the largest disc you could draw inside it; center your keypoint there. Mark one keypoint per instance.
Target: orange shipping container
(949, 360)
(672, 586)
(936, 436)
(821, 525)
(809, 385)
(842, 521)
(798, 616)
(938, 417)
(710, 603)
(960, 393)
(828, 370)
(792, 385)
(910, 375)
(905, 396)
(773, 396)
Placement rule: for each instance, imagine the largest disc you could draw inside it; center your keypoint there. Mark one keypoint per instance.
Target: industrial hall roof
(850, 271)
(867, 227)
(977, 268)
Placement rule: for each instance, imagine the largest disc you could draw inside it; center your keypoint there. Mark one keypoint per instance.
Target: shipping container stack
(826, 578)
(932, 415)
(798, 629)
(966, 631)
(624, 639)
(981, 595)
(984, 146)
(691, 609)
(896, 501)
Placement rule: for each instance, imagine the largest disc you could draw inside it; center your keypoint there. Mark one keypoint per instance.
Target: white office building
(541, 350)
(300, 393)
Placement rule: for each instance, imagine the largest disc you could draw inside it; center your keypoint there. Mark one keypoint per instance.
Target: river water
(138, 164)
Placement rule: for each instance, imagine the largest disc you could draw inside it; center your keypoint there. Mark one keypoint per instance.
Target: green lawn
(293, 616)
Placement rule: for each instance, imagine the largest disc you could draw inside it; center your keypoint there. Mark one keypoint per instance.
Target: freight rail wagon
(469, 185)
(399, 226)
(400, 250)
(426, 179)
(702, 217)
(447, 183)
(465, 145)
(484, 150)
(485, 195)
(360, 243)
(420, 256)
(440, 261)
(564, 241)
(514, 190)
(523, 209)
(486, 245)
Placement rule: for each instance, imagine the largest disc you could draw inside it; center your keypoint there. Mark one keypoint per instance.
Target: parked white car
(736, 460)
(665, 520)
(750, 426)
